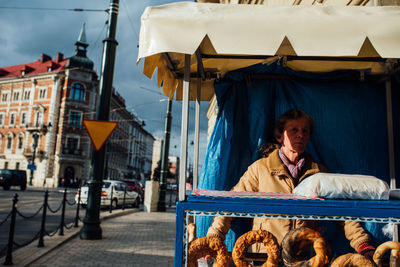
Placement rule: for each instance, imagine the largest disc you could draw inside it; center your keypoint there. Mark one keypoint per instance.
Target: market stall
(315, 55)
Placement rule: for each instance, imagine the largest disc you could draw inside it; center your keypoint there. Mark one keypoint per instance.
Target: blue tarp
(350, 134)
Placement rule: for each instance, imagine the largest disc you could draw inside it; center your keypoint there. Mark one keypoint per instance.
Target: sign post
(99, 131)
(91, 229)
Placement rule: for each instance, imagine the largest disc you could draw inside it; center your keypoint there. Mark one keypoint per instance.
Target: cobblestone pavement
(137, 239)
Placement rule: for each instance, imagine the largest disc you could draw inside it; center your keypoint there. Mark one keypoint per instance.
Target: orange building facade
(42, 106)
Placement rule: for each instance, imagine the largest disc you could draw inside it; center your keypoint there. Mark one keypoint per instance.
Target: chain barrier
(43, 223)
(8, 260)
(12, 244)
(62, 221)
(57, 210)
(26, 243)
(70, 203)
(52, 233)
(69, 226)
(29, 217)
(7, 217)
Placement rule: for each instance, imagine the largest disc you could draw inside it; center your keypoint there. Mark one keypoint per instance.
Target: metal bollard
(111, 199)
(43, 224)
(11, 233)
(77, 208)
(61, 232)
(123, 201)
(170, 198)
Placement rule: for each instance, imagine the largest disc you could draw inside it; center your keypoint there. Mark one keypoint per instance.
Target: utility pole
(164, 159)
(91, 229)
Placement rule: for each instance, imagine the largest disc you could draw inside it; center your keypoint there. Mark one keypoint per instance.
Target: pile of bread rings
(296, 241)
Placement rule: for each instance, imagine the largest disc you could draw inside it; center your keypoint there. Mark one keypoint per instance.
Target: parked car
(10, 178)
(136, 186)
(112, 190)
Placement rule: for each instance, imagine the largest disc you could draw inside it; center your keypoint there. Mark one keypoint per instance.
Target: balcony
(72, 151)
(36, 127)
(28, 152)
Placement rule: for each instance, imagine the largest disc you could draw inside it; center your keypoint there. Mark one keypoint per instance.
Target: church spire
(80, 60)
(81, 44)
(82, 36)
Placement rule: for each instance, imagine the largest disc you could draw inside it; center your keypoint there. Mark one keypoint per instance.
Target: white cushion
(343, 186)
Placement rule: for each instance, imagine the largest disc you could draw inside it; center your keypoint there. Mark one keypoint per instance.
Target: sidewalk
(130, 238)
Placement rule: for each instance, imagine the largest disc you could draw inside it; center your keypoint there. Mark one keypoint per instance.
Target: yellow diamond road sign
(99, 131)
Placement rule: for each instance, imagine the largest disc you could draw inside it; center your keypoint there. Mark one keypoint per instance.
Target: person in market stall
(283, 166)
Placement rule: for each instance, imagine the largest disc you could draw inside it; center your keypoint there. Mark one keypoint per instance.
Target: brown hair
(292, 114)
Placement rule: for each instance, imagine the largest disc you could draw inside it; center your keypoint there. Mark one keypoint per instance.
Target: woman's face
(295, 135)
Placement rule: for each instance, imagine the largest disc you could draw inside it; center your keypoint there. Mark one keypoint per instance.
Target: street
(29, 202)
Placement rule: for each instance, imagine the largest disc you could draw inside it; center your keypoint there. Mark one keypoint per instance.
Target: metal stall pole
(200, 78)
(196, 138)
(389, 115)
(184, 129)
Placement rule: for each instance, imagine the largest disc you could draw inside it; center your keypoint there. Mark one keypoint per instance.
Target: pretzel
(212, 246)
(191, 229)
(297, 241)
(381, 250)
(352, 260)
(253, 237)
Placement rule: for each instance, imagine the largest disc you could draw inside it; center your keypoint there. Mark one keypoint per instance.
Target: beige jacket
(271, 175)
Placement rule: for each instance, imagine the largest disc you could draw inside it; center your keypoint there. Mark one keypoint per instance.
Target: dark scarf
(294, 169)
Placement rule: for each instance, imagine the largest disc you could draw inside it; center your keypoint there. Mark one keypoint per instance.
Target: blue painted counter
(357, 210)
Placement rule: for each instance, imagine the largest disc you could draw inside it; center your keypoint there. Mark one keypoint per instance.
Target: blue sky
(30, 28)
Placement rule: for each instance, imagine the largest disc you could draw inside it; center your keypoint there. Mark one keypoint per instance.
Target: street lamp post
(35, 137)
(91, 229)
(164, 159)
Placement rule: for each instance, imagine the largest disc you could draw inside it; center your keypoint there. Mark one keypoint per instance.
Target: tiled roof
(40, 66)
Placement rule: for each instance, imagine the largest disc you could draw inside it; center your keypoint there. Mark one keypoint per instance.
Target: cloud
(27, 33)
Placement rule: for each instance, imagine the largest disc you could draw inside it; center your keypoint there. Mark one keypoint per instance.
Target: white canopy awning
(250, 30)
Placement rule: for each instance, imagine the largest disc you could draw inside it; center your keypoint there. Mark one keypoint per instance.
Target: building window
(12, 118)
(39, 118)
(4, 97)
(20, 142)
(77, 92)
(6, 165)
(42, 93)
(23, 118)
(72, 143)
(75, 118)
(1, 119)
(27, 95)
(16, 96)
(17, 166)
(9, 142)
